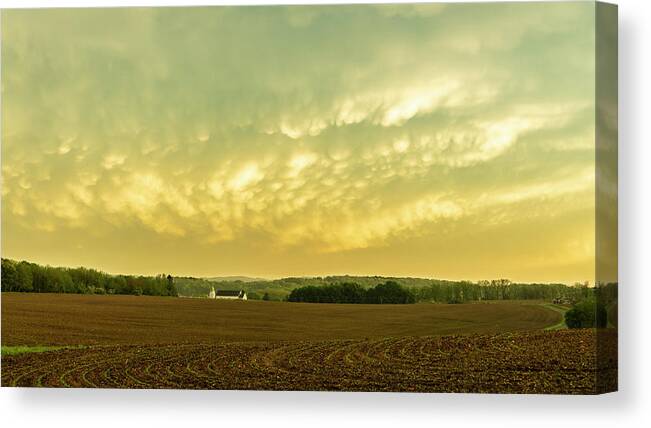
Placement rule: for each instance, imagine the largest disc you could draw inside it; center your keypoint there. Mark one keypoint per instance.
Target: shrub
(586, 314)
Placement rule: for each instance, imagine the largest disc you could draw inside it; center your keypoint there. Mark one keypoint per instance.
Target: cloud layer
(302, 140)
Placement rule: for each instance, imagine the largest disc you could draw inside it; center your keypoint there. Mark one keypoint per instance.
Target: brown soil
(541, 362)
(64, 319)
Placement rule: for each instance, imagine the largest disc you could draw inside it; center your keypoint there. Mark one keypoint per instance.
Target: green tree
(389, 292)
(24, 272)
(171, 289)
(10, 279)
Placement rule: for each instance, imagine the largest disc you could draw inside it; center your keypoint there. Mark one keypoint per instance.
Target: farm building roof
(228, 292)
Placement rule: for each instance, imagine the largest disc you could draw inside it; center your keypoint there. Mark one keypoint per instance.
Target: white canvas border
(628, 407)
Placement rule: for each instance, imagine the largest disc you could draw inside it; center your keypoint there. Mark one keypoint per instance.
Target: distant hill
(424, 289)
(234, 278)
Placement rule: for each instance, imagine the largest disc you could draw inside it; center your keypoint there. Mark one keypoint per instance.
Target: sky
(446, 141)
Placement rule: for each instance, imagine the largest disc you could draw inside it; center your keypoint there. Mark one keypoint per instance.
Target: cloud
(354, 231)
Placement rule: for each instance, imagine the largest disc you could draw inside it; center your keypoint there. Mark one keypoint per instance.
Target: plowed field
(542, 362)
(60, 319)
(149, 342)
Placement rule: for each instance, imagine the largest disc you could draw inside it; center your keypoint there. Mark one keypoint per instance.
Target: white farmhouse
(227, 294)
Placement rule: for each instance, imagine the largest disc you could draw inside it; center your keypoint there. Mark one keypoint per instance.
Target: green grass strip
(561, 310)
(21, 349)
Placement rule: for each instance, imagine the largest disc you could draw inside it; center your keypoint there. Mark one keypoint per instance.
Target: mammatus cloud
(291, 137)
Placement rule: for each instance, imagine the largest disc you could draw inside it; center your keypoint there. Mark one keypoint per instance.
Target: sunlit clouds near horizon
(450, 141)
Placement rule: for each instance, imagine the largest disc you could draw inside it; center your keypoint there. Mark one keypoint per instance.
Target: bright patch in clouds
(418, 100)
(245, 177)
(112, 160)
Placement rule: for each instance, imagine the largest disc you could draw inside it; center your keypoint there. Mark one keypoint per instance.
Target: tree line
(439, 291)
(384, 293)
(30, 277)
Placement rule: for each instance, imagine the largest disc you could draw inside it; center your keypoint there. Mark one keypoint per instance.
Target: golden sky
(450, 141)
